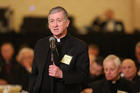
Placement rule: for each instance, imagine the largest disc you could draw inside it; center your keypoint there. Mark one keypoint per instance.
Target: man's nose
(108, 72)
(55, 23)
(127, 70)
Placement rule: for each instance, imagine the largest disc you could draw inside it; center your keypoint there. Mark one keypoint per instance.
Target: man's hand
(55, 71)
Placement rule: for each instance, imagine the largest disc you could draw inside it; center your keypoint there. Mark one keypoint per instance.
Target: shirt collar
(61, 40)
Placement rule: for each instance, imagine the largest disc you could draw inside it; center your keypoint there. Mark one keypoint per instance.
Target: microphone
(54, 51)
(52, 43)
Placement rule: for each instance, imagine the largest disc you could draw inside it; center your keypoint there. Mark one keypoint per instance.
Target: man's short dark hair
(58, 9)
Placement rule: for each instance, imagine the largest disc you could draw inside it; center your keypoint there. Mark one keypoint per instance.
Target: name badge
(119, 91)
(66, 59)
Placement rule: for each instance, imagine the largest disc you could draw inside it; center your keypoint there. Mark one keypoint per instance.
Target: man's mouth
(56, 29)
(109, 76)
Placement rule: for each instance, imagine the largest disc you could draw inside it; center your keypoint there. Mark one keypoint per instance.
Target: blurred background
(84, 11)
(24, 22)
(107, 26)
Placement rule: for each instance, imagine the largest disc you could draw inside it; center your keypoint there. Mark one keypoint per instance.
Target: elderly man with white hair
(25, 58)
(113, 83)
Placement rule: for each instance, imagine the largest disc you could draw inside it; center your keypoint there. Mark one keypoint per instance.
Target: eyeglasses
(59, 21)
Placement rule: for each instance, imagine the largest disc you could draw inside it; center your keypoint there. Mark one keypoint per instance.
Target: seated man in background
(111, 24)
(96, 70)
(9, 69)
(93, 52)
(129, 72)
(113, 83)
(137, 56)
(96, 74)
(25, 58)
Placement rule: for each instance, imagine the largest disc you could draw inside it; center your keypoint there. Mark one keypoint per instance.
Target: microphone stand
(52, 57)
(52, 78)
(53, 50)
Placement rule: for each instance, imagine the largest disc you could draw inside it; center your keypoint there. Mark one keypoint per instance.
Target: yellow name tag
(66, 59)
(119, 91)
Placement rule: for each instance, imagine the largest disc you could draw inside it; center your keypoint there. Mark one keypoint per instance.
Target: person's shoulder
(1, 61)
(137, 78)
(78, 42)
(96, 84)
(42, 41)
(126, 82)
(45, 39)
(99, 86)
(118, 22)
(122, 79)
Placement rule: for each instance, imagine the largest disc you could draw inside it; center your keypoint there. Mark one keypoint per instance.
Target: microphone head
(51, 39)
(52, 43)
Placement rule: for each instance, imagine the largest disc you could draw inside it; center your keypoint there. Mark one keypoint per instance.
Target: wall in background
(136, 13)
(84, 11)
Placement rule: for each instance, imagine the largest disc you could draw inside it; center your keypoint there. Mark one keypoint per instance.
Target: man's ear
(120, 69)
(68, 22)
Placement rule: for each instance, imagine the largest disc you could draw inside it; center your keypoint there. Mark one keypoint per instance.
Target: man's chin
(57, 35)
(109, 78)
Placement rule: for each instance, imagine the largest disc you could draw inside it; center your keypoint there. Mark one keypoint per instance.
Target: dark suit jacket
(106, 86)
(12, 77)
(136, 83)
(74, 74)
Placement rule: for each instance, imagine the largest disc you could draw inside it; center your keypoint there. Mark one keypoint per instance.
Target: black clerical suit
(122, 85)
(136, 83)
(75, 69)
(92, 81)
(10, 71)
(137, 64)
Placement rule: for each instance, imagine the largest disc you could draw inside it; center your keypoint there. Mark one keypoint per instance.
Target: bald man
(129, 72)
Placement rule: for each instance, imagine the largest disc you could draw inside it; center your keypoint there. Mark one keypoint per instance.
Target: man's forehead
(56, 18)
(53, 15)
(7, 45)
(128, 62)
(110, 64)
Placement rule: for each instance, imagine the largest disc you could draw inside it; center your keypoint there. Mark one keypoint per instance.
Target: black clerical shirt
(106, 86)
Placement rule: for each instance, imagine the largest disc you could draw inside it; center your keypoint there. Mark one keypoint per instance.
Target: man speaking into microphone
(61, 62)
